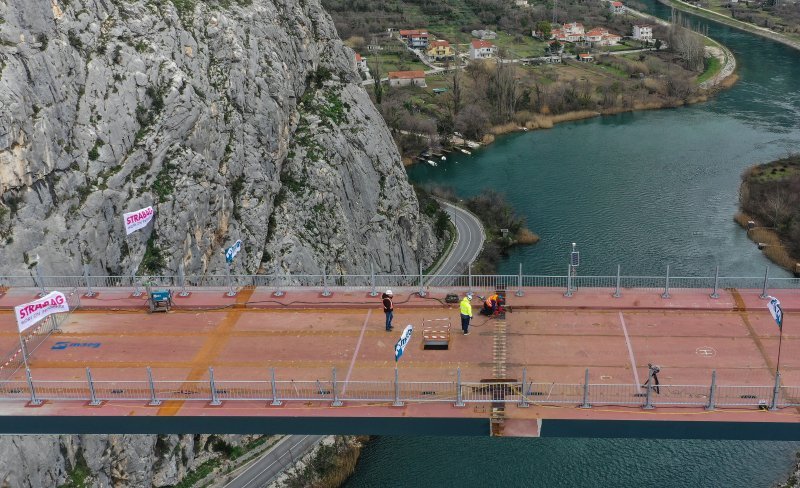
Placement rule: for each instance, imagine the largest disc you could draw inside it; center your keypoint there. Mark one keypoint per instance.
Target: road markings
(630, 352)
(355, 353)
(706, 351)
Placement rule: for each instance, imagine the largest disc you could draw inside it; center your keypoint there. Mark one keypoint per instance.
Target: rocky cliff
(235, 119)
(107, 460)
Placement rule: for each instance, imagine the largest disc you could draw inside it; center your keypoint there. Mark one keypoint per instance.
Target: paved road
(467, 246)
(283, 454)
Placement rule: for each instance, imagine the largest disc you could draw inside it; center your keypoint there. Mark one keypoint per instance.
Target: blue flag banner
(232, 251)
(774, 307)
(400, 347)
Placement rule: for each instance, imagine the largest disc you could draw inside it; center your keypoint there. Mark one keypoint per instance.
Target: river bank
(736, 24)
(328, 465)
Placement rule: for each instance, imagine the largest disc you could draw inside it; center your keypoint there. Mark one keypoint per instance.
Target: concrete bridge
(307, 363)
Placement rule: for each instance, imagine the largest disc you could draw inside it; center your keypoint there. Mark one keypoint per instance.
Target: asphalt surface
(467, 246)
(282, 455)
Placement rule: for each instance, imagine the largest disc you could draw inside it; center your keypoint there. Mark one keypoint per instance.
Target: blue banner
(233, 251)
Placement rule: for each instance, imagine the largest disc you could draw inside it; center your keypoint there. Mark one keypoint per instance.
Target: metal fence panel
(121, 390)
(367, 391)
(312, 391)
(553, 393)
(744, 396)
(243, 390)
(695, 395)
(62, 390)
(14, 390)
(428, 391)
(620, 394)
(182, 390)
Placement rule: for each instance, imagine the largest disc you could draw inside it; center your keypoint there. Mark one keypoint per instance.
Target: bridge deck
(303, 335)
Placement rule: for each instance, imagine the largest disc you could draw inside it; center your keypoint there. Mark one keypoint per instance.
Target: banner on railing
(29, 313)
(232, 251)
(138, 219)
(400, 347)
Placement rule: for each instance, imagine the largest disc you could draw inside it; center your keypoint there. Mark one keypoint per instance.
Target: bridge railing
(459, 393)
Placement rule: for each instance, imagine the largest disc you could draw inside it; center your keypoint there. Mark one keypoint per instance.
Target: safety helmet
(389, 292)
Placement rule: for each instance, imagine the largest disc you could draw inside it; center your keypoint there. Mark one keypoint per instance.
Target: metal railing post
(648, 404)
(278, 281)
(666, 285)
(93, 397)
(776, 392)
(715, 291)
(421, 288)
(325, 291)
(469, 278)
(569, 281)
(336, 402)
(519, 292)
(154, 401)
(374, 291)
(712, 393)
(617, 292)
(39, 281)
(523, 398)
(397, 402)
(182, 282)
(136, 291)
(459, 399)
(586, 403)
(214, 399)
(231, 292)
(89, 291)
(766, 278)
(275, 401)
(34, 400)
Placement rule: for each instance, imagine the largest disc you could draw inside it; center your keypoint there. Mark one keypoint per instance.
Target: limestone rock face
(235, 119)
(33, 461)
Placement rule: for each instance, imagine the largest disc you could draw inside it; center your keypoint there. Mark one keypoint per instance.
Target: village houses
(361, 63)
(407, 78)
(643, 32)
(575, 32)
(617, 8)
(441, 51)
(481, 49)
(417, 39)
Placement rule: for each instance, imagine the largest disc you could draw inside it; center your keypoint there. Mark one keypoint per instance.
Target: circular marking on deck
(706, 351)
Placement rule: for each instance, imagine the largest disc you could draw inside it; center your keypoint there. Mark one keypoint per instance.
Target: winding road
(283, 454)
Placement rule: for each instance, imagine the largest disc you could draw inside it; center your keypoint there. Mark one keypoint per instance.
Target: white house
(407, 78)
(617, 8)
(361, 63)
(481, 49)
(643, 32)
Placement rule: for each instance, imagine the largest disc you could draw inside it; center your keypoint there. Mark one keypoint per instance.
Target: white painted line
(274, 462)
(355, 353)
(630, 352)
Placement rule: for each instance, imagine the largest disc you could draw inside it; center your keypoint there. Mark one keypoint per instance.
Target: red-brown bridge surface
(304, 335)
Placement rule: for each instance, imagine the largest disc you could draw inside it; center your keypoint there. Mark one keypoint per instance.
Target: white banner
(774, 307)
(29, 313)
(400, 347)
(138, 219)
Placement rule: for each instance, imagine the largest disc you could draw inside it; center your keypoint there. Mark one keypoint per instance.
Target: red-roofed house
(407, 78)
(440, 51)
(415, 38)
(585, 58)
(596, 34)
(572, 32)
(611, 39)
(617, 8)
(481, 49)
(361, 63)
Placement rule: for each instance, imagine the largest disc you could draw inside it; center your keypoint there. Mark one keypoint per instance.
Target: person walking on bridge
(388, 309)
(466, 312)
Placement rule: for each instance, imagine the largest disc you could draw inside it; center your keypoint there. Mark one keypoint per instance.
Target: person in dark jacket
(388, 309)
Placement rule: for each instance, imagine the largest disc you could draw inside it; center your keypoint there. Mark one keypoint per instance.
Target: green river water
(643, 190)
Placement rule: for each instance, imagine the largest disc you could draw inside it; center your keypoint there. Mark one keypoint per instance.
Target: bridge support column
(275, 401)
(715, 291)
(373, 291)
(712, 393)
(336, 402)
(278, 291)
(519, 282)
(89, 291)
(93, 397)
(459, 398)
(34, 401)
(421, 286)
(617, 292)
(586, 403)
(776, 392)
(215, 401)
(154, 401)
(666, 285)
(766, 279)
(523, 398)
(325, 291)
(397, 402)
